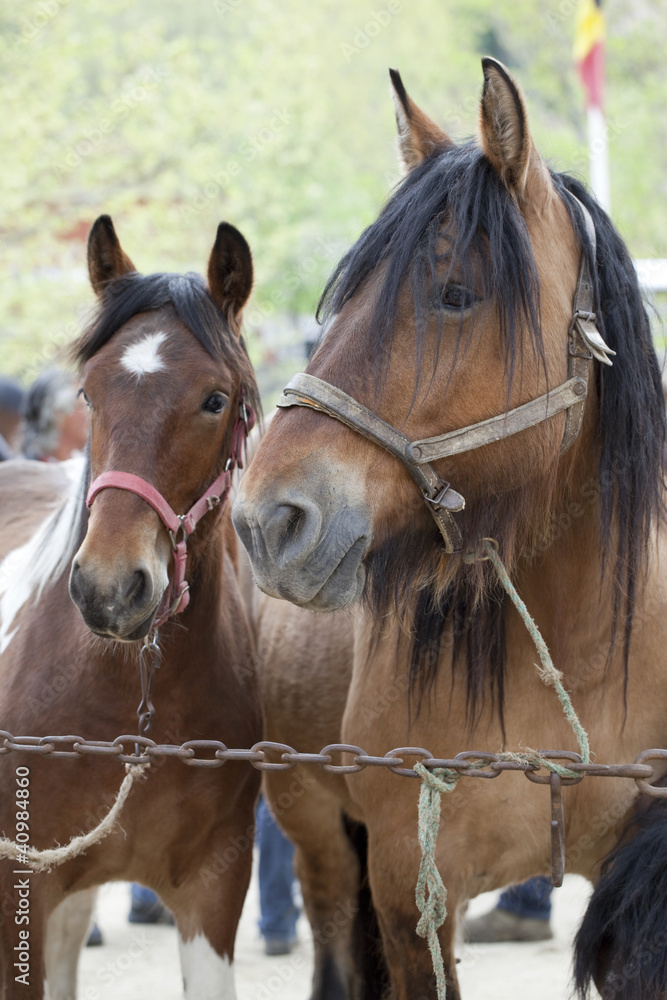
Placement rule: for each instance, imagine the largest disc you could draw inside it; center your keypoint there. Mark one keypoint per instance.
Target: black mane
(135, 293)
(458, 194)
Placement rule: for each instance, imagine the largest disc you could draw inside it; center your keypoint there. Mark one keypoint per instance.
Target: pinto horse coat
(165, 374)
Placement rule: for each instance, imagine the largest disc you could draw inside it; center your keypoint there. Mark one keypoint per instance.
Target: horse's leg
(393, 865)
(66, 932)
(207, 904)
(22, 932)
(327, 867)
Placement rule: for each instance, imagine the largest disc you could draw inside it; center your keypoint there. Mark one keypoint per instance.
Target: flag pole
(589, 56)
(598, 157)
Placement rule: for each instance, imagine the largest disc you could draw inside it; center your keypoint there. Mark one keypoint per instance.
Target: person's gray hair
(52, 395)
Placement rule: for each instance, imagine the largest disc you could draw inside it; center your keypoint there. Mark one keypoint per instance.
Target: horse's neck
(204, 647)
(568, 590)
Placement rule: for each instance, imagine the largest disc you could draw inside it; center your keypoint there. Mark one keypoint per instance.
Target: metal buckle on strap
(178, 599)
(586, 355)
(446, 499)
(173, 535)
(584, 324)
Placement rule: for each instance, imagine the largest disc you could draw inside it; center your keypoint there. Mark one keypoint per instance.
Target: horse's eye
(457, 297)
(85, 398)
(214, 403)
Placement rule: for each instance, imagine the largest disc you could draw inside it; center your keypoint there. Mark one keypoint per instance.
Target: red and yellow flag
(589, 50)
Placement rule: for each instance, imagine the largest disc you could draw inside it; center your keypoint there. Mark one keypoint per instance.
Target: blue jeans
(529, 899)
(279, 913)
(143, 896)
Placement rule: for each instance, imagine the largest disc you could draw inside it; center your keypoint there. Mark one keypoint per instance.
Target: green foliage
(277, 117)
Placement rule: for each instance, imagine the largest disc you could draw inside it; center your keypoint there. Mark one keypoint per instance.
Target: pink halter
(177, 597)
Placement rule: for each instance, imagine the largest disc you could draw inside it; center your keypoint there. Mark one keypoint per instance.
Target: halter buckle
(447, 499)
(586, 355)
(176, 603)
(173, 535)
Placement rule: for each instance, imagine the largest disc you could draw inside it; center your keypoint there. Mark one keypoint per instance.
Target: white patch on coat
(143, 358)
(206, 975)
(24, 572)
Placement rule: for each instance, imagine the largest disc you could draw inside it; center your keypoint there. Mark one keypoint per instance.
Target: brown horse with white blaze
(166, 376)
(475, 318)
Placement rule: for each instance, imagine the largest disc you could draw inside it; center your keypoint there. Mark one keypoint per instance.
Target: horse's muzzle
(122, 608)
(305, 550)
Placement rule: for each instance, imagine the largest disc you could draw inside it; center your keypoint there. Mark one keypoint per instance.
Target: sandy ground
(139, 963)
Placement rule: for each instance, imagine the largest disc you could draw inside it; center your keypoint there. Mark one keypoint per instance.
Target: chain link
(334, 758)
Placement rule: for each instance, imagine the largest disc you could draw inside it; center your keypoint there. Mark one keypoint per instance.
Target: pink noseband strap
(177, 597)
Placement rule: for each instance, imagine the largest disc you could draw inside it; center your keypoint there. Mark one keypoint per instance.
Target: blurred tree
(277, 117)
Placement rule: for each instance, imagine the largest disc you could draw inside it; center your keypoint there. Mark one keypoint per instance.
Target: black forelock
(133, 293)
(459, 199)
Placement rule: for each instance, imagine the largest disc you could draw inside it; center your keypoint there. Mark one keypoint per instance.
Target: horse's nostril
(296, 515)
(75, 583)
(135, 590)
(285, 528)
(291, 527)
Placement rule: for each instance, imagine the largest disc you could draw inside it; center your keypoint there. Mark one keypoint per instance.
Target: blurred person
(56, 417)
(12, 404)
(522, 913)
(147, 907)
(279, 912)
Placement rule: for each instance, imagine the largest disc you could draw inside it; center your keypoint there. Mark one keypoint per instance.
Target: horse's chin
(135, 633)
(341, 589)
(333, 597)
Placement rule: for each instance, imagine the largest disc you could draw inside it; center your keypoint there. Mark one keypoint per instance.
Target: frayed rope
(430, 893)
(41, 861)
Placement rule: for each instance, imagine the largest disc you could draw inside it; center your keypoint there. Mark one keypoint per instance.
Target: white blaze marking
(207, 975)
(143, 357)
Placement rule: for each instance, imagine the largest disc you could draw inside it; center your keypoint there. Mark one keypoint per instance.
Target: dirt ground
(142, 962)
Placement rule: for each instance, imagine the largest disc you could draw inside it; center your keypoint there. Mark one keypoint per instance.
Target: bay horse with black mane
(462, 392)
(169, 386)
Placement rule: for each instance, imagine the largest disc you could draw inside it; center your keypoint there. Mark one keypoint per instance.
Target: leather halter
(177, 597)
(584, 344)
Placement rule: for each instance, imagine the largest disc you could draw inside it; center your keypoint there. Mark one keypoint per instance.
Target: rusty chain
(270, 756)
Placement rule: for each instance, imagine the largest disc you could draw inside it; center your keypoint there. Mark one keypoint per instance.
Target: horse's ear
(230, 271)
(418, 136)
(106, 258)
(503, 123)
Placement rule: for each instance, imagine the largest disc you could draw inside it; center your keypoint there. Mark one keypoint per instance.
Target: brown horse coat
(452, 308)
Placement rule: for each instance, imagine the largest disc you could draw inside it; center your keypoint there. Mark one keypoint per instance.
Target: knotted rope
(41, 861)
(436, 783)
(433, 907)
